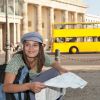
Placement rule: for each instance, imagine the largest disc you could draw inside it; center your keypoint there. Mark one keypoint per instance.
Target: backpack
(22, 77)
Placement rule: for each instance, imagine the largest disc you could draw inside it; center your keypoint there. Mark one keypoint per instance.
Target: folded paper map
(66, 80)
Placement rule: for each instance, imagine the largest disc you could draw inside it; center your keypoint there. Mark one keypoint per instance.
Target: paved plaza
(91, 91)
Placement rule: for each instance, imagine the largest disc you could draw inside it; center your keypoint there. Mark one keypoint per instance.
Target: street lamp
(7, 55)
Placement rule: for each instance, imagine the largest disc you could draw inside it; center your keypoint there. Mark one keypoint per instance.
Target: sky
(93, 6)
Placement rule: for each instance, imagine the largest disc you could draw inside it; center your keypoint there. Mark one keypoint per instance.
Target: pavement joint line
(82, 67)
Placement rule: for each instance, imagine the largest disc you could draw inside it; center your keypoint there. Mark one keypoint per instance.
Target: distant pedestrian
(18, 47)
(12, 47)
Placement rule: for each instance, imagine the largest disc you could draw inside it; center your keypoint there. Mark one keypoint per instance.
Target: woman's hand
(63, 70)
(36, 86)
(60, 68)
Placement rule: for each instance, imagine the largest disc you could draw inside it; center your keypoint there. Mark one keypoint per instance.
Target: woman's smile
(31, 48)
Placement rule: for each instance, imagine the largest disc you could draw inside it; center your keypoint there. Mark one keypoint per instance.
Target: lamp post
(7, 55)
(14, 31)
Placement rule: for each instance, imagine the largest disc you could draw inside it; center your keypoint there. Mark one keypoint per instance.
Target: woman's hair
(40, 58)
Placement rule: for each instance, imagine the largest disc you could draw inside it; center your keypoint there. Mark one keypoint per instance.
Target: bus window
(80, 39)
(95, 39)
(73, 39)
(89, 39)
(98, 25)
(98, 38)
(59, 39)
(66, 39)
(70, 39)
(58, 26)
(80, 26)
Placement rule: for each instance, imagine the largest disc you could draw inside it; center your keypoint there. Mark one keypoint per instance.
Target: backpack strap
(22, 77)
(2, 94)
(2, 72)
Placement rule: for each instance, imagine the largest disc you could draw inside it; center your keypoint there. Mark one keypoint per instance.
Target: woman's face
(31, 48)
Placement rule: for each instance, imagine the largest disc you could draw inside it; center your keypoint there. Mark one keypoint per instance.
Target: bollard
(62, 91)
(57, 55)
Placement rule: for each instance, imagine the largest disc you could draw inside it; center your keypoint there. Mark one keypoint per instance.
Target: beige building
(37, 15)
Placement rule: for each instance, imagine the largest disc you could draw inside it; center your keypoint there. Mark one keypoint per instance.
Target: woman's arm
(12, 88)
(57, 65)
(9, 87)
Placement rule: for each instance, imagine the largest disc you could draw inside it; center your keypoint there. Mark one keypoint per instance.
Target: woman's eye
(27, 44)
(31, 45)
(35, 45)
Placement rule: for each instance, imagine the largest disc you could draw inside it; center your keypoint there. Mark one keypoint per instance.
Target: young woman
(33, 58)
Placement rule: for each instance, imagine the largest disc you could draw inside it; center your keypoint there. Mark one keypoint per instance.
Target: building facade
(37, 15)
(10, 23)
(92, 18)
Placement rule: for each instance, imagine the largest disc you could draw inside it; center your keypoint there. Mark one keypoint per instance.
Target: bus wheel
(73, 50)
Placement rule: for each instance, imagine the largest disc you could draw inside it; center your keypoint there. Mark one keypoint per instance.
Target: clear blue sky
(93, 6)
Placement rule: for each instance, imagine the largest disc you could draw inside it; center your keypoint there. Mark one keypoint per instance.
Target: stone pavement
(90, 92)
(69, 67)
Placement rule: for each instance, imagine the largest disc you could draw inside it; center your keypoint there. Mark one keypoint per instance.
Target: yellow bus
(76, 37)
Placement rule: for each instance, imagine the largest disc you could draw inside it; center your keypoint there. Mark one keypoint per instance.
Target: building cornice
(59, 5)
(75, 3)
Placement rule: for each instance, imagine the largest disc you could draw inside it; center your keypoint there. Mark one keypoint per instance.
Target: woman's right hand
(37, 86)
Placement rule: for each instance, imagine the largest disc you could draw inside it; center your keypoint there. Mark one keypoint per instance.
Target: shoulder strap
(22, 77)
(22, 72)
(2, 72)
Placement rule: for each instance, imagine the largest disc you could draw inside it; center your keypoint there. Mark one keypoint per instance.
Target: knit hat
(33, 36)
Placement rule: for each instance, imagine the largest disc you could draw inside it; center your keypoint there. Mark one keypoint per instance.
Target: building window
(2, 5)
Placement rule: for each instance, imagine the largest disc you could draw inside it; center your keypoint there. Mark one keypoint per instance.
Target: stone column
(83, 18)
(14, 23)
(39, 22)
(75, 17)
(18, 32)
(8, 53)
(51, 26)
(66, 17)
(76, 20)
(25, 17)
(1, 40)
(14, 34)
(51, 19)
(8, 32)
